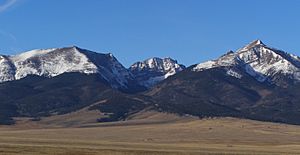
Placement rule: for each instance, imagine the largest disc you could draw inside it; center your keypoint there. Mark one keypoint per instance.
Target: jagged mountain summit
(264, 63)
(56, 61)
(151, 71)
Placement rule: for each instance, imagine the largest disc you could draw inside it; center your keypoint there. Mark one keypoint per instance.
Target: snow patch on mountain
(205, 65)
(228, 59)
(233, 73)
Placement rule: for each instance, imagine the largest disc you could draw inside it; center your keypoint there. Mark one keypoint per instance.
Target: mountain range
(255, 82)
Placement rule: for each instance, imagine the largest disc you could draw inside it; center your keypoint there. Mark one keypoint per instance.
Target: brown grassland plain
(152, 136)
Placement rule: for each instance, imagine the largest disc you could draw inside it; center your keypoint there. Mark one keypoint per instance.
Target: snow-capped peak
(255, 43)
(157, 64)
(154, 70)
(56, 61)
(51, 62)
(259, 61)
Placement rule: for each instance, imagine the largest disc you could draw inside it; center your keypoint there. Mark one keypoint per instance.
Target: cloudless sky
(190, 31)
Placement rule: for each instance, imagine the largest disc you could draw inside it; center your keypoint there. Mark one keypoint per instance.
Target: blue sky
(190, 31)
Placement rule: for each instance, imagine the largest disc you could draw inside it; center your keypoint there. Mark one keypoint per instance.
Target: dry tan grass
(148, 136)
